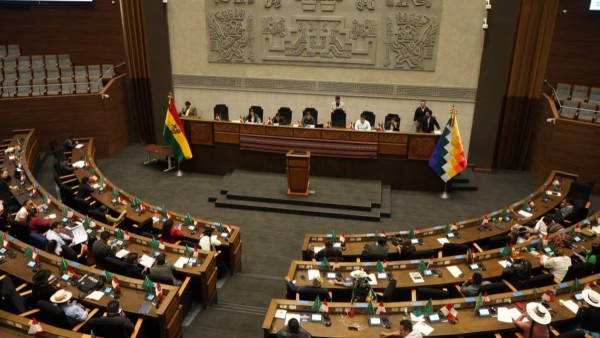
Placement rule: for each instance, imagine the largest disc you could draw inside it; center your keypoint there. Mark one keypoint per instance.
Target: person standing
(420, 114)
(428, 123)
(337, 105)
(188, 110)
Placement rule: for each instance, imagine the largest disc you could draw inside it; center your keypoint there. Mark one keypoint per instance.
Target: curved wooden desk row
(231, 245)
(204, 275)
(166, 317)
(468, 229)
(400, 270)
(12, 325)
(468, 321)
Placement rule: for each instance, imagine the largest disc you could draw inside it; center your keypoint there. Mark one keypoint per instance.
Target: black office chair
(19, 230)
(369, 257)
(81, 205)
(161, 279)
(423, 254)
(11, 300)
(223, 112)
(104, 327)
(310, 293)
(115, 265)
(67, 195)
(391, 116)
(286, 113)
(313, 112)
(145, 226)
(97, 215)
(388, 293)
(541, 280)
(493, 288)
(579, 270)
(50, 313)
(369, 116)
(258, 111)
(496, 242)
(572, 334)
(425, 293)
(338, 120)
(453, 249)
(38, 240)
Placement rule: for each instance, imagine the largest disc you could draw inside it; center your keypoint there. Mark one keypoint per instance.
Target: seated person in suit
(73, 310)
(85, 190)
(56, 233)
(116, 316)
(65, 168)
(337, 105)
(308, 120)
(471, 286)
(101, 249)
(565, 210)
(42, 288)
(558, 265)
(362, 123)
(163, 270)
(589, 312)
(519, 272)
(188, 110)
(6, 196)
(293, 330)
(380, 248)
(10, 299)
(428, 123)
(134, 268)
(315, 288)
(70, 143)
(170, 234)
(329, 252)
(252, 117)
(392, 125)
(406, 249)
(278, 119)
(21, 215)
(37, 224)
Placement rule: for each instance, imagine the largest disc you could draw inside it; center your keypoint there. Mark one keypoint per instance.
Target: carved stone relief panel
(400, 35)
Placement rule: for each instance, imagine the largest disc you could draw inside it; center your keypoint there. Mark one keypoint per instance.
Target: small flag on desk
(454, 227)
(379, 267)
(64, 211)
(370, 308)
(108, 275)
(384, 263)
(486, 298)
(34, 255)
(142, 208)
(447, 228)
(589, 286)
(135, 202)
(188, 251)
(336, 265)
(35, 328)
(575, 285)
(126, 235)
(161, 245)
(154, 243)
(169, 216)
(485, 221)
(316, 305)
(422, 266)
(430, 263)
(479, 302)
(548, 297)
(428, 309)
(5, 242)
(449, 312)
(229, 229)
(115, 193)
(333, 235)
(92, 335)
(34, 191)
(147, 284)
(324, 307)
(411, 233)
(506, 251)
(380, 309)
(343, 238)
(196, 254)
(86, 222)
(535, 294)
(46, 199)
(115, 285)
(120, 234)
(188, 219)
(63, 266)
(324, 264)
(158, 292)
(28, 253)
(121, 200)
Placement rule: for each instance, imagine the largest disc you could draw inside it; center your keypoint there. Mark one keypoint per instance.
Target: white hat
(61, 296)
(538, 313)
(591, 297)
(357, 274)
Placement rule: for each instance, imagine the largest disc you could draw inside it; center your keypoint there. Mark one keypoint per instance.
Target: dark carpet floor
(272, 240)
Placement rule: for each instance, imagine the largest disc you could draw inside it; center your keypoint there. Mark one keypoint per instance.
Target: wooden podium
(298, 173)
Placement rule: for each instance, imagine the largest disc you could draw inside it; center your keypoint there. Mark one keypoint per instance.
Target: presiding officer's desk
(231, 244)
(430, 238)
(398, 159)
(468, 322)
(204, 275)
(160, 317)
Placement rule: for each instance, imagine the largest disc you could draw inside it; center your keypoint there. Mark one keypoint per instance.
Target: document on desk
(443, 240)
(372, 279)
(79, 146)
(416, 277)
(507, 315)
(423, 328)
(147, 261)
(525, 214)
(504, 263)
(318, 248)
(96, 295)
(280, 313)
(290, 316)
(313, 273)
(455, 271)
(78, 234)
(414, 318)
(79, 164)
(122, 253)
(596, 229)
(181, 262)
(571, 305)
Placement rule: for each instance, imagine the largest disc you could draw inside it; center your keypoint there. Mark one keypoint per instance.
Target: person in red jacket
(170, 233)
(37, 224)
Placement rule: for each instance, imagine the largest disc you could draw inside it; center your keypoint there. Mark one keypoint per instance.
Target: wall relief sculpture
(228, 35)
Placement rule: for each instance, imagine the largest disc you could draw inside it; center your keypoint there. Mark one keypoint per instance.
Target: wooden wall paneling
(329, 134)
(281, 131)
(117, 123)
(421, 147)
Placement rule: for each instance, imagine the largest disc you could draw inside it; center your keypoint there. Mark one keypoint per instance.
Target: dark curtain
(135, 47)
(532, 47)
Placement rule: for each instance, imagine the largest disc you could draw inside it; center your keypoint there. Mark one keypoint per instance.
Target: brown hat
(517, 255)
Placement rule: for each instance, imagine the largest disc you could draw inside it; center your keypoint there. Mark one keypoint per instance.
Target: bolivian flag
(174, 134)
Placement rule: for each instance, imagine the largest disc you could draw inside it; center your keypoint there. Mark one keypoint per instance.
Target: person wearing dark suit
(308, 120)
(588, 314)
(314, 289)
(428, 123)
(65, 168)
(252, 117)
(329, 252)
(392, 125)
(85, 190)
(163, 271)
(420, 114)
(278, 119)
(69, 143)
(6, 196)
(42, 288)
(378, 249)
(134, 268)
(519, 272)
(101, 249)
(115, 316)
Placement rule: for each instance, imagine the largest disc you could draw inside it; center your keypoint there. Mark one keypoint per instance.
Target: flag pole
(445, 195)
(179, 172)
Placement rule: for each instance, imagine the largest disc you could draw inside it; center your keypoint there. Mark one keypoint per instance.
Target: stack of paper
(147, 261)
(507, 315)
(96, 295)
(313, 273)
(122, 253)
(181, 261)
(443, 240)
(525, 214)
(423, 328)
(455, 271)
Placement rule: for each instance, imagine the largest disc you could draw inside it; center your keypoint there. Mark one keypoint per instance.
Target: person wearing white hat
(537, 324)
(588, 314)
(70, 308)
